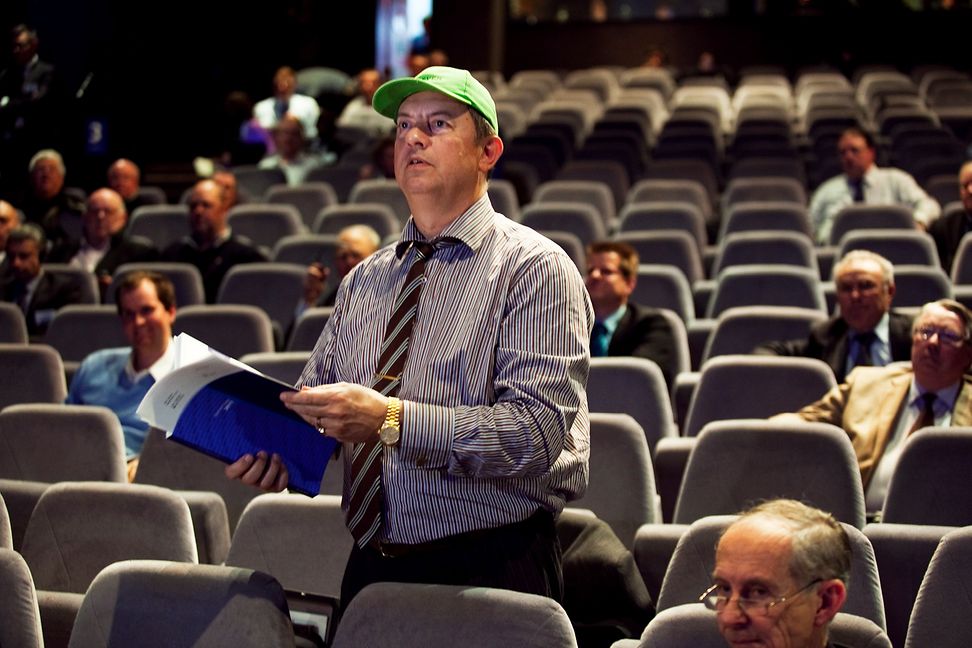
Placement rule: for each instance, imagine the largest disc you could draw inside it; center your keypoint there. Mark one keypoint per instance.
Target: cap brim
(390, 96)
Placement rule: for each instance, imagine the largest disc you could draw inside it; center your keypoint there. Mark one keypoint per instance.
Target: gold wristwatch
(390, 430)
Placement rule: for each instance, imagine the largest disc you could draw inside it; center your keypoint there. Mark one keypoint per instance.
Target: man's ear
(832, 594)
(492, 150)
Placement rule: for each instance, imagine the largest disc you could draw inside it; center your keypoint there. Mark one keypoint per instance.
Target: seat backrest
(285, 366)
(693, 626)
(340, 177)
(172, 465)
(185, 278)
(942, 616)
(667, 247)
(378, 216)
(671, 190)
(161, 224)
(302, 542)
(665, 287)
(916, 285)
(55, 442)
(766, 285)
(633, 386)
(80, 329)
(756, 247)
(31, 374)
(383, 191)
(13, 326)
(308, 198)
(664, 215)
(900, 247)
(690, 570)
(502, 194)
(740, 330)
(411, 615)
(308, 328)
(20, 622)
(913, 498)
(903, 552)
(155, 603)
(745, 386)
(763, 190)
(79, 528)
(275, 288)
(590, 192)
(961, 271)
(233, 329)
(763, 216)
(859, 216)
(737, 463)
(90, 293)
(579, 219)
(256, 181)
(265, 224)
(622, 483)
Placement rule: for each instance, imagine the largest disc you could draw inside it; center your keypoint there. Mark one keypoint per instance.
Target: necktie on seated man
(926, 403)
(599, 340)
(365, 499)
(857, 190)
(864, 357)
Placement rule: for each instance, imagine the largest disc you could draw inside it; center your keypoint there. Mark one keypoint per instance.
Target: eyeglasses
(753, 604)
(944, 336)
(862, 287)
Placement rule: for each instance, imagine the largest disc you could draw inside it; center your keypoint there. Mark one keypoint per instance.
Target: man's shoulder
(242, 248)
(106, 359)
(641, 313)
(870, 375)
(830, 186)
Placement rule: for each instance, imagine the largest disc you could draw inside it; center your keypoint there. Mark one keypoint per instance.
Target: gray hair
(47, 154)
(28, 232)
(964, 314)
(887, 269)
(820, 546)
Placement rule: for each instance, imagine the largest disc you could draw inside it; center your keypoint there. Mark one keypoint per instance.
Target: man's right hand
(266, 474)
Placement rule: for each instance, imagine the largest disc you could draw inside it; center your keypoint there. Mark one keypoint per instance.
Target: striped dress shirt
(494, 404)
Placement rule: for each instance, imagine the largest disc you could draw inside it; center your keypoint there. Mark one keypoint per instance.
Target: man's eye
(439, 123)
(403, 125)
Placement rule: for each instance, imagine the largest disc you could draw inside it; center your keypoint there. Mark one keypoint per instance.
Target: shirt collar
(882, 330)
(611, 321)
(469, 229)
(946, 395)
(159, 368)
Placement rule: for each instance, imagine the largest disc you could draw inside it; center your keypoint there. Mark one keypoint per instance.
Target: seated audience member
(9, 219)
(879, 407)
(232, 192)
(291, 157)
(47, 202)
(211, 246)
(119, 378)
(949, 230)
(124, 177)
(286, 101)
(621, 327)
(866, 332)
(38, 293)
(360, 114)
(103, 246)
(780, 576)
(417, 62)
(382, 163)
(863, 182)
(355, 243)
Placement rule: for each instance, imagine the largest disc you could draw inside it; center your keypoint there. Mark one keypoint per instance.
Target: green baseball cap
(452, 82)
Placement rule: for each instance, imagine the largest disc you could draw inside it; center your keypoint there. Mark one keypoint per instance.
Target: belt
(392, 550)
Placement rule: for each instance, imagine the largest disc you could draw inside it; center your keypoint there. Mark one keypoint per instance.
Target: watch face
(388, 435)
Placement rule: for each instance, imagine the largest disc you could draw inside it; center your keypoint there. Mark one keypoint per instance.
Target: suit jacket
(867, 408)
(948, 232)
(644, 333)
(122, 249)
(52, 292)
(828, 341)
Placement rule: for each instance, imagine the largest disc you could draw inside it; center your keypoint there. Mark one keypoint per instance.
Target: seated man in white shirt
(360, 114)
(119, 378)
(863, 182)
(286, 101)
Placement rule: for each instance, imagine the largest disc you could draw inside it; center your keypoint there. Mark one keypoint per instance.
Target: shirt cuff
(426, 435)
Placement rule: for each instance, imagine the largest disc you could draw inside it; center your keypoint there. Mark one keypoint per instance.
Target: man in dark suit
(9, 219)
(866, 332)
(950, 228)
(623, 328)
(38, 294)
(103, 246)
(47, 203)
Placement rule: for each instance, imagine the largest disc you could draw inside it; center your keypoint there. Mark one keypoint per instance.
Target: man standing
(879, 407)
(103, 247)
(863, 182)
(780, 576)
(458, 458)
(621, 327)
(866, 332)
(38, 294)
(949, 230)
(119, 378)
(211, 246)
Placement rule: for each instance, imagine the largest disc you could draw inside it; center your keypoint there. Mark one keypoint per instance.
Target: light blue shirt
(880, 348)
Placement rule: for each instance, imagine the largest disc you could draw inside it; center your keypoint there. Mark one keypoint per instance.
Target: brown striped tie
(365, 498)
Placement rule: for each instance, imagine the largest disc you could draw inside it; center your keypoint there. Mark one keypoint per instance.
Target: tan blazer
(867, 405)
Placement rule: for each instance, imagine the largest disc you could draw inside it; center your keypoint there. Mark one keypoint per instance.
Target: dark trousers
(524, 556)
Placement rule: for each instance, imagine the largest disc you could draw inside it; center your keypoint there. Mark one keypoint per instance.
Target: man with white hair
(47, 204)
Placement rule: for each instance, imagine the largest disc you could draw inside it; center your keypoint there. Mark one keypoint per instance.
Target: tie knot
(927, 400)
(424, 249)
